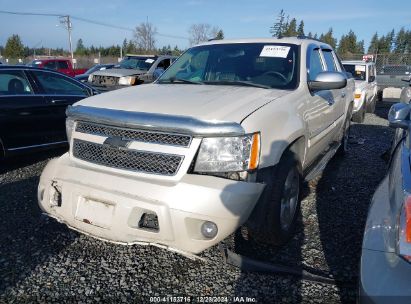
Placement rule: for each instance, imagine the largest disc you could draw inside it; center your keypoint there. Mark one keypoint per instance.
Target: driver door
(320, 111)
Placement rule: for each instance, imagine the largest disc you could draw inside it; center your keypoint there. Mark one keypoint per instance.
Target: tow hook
(247, 264)
(55, 195)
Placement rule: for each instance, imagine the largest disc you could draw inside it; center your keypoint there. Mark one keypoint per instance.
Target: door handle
(57, 100)
(343, 94)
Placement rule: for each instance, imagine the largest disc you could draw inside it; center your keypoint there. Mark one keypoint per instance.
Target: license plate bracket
(94, 212)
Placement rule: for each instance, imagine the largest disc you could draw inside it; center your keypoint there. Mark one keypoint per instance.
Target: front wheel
(275, 215)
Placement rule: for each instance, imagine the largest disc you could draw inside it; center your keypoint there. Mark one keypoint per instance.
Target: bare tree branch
(201, 32)
(144, 35)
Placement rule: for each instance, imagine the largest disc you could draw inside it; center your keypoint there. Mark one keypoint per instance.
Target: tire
(371, 106)
(359, 116)
(379, 95)
(274, 218)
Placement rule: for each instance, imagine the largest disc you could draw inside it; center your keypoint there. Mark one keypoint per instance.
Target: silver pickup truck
(132, 70)
(223, 138)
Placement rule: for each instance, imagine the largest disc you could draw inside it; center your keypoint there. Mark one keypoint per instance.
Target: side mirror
(371, 79)
(399, 116)
(328, 81)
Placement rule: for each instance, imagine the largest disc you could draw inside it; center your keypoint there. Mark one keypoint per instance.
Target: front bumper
(181, 207)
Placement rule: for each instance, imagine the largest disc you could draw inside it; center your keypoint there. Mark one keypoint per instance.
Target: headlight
(90, 78)
(127, 80)
(229, 154)
(69, 128)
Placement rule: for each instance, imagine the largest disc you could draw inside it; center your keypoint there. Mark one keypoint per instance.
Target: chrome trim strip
(38, 146)
(154, 121)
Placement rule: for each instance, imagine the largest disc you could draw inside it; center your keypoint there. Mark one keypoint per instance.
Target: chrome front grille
(136, 135)
(127, 159)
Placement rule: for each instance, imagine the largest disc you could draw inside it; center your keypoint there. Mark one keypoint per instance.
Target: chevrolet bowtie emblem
(117, 142)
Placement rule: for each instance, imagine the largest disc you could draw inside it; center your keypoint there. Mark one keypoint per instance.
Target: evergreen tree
(291, 29)
(300, 30)
(329, 38)
(80, 49)
(220, 35)
(277, 29)
(14, 47)
(374, 44)
(401, 42)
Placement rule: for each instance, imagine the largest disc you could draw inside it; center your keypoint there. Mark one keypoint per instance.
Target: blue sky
(237, 18)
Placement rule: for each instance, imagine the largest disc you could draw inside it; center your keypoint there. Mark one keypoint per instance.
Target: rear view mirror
(328, 81)
(399, 116)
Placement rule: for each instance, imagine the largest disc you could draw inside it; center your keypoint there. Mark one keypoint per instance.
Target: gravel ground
(43, 261)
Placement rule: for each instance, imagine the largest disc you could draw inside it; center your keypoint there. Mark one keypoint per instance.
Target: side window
(14, 83)
(329, 60)
(50, 65)
(62, 65)
(164, 64)
(55, 84)
(316, 65)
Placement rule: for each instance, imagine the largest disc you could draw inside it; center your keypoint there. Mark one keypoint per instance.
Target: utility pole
(65, 20)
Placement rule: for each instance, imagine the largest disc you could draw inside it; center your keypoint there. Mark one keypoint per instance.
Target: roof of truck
(299, 40)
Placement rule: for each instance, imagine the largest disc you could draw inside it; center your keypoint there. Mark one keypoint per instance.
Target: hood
(360, 85)
(119, 72)
(205, 102)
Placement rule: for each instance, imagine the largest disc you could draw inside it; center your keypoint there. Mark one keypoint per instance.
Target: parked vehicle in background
(225, 136)
(33, 106)
(406, 91)
(94, 68)
(62, 65)
(386, 250)
(391, 76)
(365, 94)
(132, 70)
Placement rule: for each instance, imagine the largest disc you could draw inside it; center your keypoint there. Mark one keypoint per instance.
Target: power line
(88, 21)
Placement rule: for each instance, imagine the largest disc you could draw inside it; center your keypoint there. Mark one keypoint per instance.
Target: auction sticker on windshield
(360, 68)
(275, 51)
(149, 60)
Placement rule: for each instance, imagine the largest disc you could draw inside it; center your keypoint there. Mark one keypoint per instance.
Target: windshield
(357, 71)
(138, 63)
(243, 64)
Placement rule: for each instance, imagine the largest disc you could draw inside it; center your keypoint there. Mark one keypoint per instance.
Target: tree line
(145, 41)
(349, 43)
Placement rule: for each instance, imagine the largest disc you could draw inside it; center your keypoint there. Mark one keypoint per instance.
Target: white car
(366, 87)
(223, 138)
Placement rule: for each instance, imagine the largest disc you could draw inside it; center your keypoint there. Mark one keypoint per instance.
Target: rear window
(62, 65)
(358, 71)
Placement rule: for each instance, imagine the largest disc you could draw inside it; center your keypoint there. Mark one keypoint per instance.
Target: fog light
(209, 229)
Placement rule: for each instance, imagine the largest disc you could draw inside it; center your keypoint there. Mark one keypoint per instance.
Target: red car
(62, 65)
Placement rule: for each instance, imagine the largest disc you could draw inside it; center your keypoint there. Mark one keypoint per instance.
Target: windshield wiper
(179, 80)
(237, 82)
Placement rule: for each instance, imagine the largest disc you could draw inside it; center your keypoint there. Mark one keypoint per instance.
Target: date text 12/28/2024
(202, 299)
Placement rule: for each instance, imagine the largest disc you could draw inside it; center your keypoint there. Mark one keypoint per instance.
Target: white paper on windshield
(149, 60)
(360, 68)
(277, 51)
